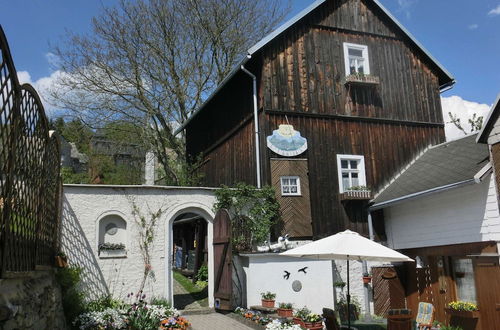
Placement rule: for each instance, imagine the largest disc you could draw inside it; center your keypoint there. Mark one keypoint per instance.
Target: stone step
(264, 310)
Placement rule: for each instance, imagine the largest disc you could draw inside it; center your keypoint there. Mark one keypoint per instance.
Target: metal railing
(30, 185)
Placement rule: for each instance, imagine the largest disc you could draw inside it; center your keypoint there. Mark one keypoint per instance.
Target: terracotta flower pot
(61, 262)
(285, 312)
(367, 279)
(298, 320)
(268, 303)
(314, 325)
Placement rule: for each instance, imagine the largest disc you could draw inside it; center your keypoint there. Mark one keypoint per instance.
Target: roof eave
(401, 199)
(482, 137)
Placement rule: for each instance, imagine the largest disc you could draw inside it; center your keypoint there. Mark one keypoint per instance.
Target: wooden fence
(30, 185)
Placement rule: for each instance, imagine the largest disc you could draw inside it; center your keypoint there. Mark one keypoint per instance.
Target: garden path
(182, 299)
(215, 321)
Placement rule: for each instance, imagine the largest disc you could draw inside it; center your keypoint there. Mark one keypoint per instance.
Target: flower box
(314, 325)
(356, 195)
(463, 314)
(298, 320)
(285, 312)
(359, 79)
(367, 279)
(107, 254)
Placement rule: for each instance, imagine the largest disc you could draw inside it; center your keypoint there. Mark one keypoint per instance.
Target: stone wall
(31, 302)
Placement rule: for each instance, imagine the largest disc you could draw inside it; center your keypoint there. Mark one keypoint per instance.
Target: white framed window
(356, 59)
(351, 171)
(290, 186)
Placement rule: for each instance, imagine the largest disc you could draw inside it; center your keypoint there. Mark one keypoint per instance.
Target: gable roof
(490, 121)
(439, 167)
(446, 79)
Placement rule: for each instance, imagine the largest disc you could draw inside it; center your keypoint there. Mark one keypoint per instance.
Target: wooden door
(388, 291)
(222, 261)
(487, 274)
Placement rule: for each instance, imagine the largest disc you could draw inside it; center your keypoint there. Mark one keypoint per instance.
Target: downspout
(256, 123)
(366, 289)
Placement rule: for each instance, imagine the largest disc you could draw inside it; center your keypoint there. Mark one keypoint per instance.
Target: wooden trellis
(29, 175)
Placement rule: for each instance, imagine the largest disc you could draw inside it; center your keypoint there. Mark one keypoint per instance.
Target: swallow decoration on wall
(287, 275)
(303, 270)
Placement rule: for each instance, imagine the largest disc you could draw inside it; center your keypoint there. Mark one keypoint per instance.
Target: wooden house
(442, 210)
(339, 97)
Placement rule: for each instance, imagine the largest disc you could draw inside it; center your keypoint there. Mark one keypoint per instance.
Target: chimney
(149, 168)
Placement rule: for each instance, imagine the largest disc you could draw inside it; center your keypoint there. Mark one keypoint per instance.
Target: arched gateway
(97, 218)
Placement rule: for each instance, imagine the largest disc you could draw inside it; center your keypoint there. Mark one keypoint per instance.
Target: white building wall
(461, 215)
(83, 207)
(265, 273)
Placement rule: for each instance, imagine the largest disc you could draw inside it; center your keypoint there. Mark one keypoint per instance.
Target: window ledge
(368, 80)
(109, 254)
(356, 195)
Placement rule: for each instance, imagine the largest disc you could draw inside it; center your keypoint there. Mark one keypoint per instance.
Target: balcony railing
(356, 195)
(360, 79)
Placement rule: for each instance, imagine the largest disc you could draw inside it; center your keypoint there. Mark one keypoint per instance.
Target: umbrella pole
(348, 298)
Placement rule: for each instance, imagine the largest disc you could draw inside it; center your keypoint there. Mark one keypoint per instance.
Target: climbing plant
(253, 213)
(146, 235)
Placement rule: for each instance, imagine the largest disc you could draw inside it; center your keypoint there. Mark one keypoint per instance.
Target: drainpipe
(366, 289)
(256, 123)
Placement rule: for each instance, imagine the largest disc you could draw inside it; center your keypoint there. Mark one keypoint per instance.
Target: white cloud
(42, 86)
(495, 11)
(405, 6)
(473, 26)
(463, 110)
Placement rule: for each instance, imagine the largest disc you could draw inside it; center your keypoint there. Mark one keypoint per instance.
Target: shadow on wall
(79, 251)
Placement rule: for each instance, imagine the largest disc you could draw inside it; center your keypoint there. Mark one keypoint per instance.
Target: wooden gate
(222, 261)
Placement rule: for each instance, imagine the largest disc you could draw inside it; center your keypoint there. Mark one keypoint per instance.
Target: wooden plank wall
(303, 71)
(385, 147)
(295, 210)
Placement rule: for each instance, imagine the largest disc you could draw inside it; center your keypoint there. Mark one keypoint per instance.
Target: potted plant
(61, 260)
(367, 278)
(300, 315)
(339, 285)
(285, 309)
(463, 309)
(268, 299)
(313, 321)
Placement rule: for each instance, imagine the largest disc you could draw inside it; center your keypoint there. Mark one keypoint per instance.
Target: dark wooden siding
(295, 210)
(385, 146)
(304, 69)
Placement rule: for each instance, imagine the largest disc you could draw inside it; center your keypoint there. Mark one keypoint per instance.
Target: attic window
(356, 59)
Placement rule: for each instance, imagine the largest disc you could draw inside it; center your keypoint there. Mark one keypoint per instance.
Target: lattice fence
(30, 185)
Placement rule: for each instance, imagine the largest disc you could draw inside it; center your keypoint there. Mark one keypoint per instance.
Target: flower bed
(138, 315)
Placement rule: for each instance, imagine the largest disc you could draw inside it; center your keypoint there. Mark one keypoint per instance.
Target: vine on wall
(253, 213)
(146, 236)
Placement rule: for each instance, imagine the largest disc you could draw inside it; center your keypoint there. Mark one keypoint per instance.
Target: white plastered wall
(461, 215)
(85, 205)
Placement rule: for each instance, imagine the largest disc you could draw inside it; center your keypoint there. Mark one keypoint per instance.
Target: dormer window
(356, 59)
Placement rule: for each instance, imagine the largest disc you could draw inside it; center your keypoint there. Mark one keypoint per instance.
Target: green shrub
(73, 299)
(103, 303)
(202, 274)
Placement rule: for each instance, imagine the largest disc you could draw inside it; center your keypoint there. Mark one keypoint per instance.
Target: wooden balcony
(356, 195)
(363, 80)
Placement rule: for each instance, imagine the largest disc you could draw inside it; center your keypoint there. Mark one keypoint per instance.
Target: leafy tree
(152, 62)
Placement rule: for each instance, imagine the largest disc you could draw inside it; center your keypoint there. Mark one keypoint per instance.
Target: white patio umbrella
(346, 245)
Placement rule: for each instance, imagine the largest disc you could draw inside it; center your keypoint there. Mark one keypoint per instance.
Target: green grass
(200, 295)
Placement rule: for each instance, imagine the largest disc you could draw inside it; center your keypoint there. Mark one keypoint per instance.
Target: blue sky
(463, 35)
